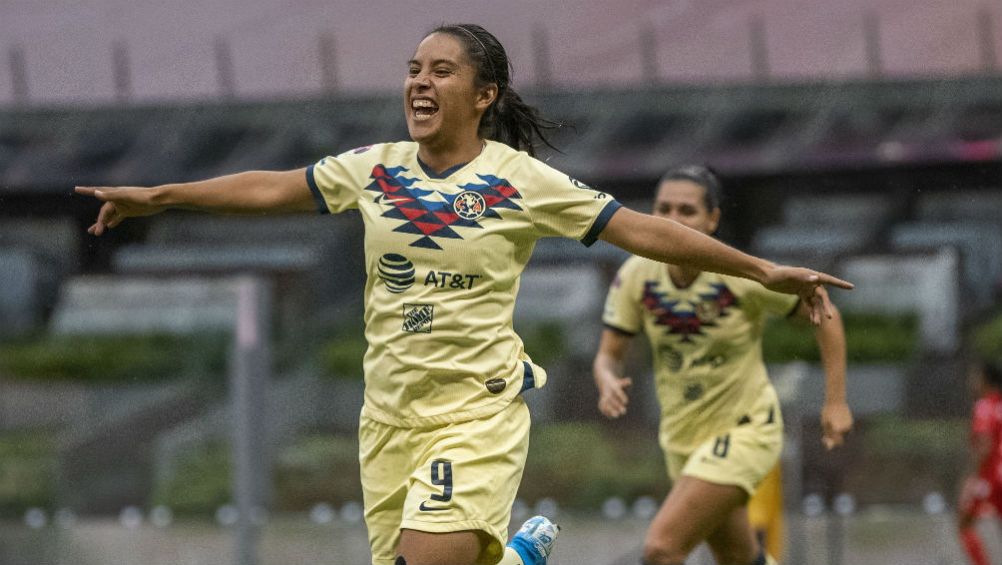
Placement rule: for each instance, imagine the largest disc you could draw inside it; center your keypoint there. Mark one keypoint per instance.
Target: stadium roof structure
(106, 50)
(617, 134)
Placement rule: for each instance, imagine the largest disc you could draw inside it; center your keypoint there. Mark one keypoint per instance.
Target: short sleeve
(622, 310)
(337, 182)
(564, 207)
(770, 302)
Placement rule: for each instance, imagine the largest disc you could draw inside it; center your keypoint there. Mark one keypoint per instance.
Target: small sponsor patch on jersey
(693, 391)
(418, 318)
(713, 359)
(496, 385)
(396, 272)
(671, 357)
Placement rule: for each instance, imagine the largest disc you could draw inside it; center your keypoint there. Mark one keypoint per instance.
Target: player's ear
(486, 96)
(714, 220)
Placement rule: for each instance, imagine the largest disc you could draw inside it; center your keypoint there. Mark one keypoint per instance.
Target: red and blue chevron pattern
(430, 213)
(687, 322)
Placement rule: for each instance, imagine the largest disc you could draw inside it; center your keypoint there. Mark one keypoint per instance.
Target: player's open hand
(836, 422)
(120, 202)
(809, 286)
(612, 396)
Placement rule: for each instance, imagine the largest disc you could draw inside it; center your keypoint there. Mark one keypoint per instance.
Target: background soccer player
(450, 222)
(721, 428)
(982, 489)
(765, 513)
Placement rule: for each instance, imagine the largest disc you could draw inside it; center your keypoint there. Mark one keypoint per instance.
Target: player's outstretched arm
(252, 192)
(836, 416)
(670, 242)
(608, 372)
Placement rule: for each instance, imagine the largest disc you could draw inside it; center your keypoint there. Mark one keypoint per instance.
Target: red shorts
(984, 498)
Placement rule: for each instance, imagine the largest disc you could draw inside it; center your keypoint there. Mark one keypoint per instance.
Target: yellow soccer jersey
(443, 256)
(706, 341)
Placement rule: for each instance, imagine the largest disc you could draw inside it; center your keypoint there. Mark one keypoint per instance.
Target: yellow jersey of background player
(706, 340)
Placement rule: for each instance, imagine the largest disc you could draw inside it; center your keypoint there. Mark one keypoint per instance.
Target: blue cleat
(534, 540)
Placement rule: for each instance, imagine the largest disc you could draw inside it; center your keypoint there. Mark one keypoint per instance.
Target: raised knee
(663, 552)
(739, 556)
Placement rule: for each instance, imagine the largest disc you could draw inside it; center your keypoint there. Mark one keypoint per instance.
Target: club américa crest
(469, 205)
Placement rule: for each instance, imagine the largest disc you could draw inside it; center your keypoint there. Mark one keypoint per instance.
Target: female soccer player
(721, 428)
(450, 222)
(982, 489)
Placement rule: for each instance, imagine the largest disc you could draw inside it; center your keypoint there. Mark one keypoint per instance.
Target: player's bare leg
(735, 542)
(425, 548)
(693, 511)
(531, 545)
(970, 540)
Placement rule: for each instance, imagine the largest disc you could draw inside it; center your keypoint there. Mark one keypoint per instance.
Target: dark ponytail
(508, 120)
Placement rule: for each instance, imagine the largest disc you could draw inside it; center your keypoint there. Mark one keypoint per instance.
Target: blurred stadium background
(860, 137)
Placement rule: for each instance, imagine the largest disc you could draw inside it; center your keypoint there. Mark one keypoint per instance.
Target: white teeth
(422, 104)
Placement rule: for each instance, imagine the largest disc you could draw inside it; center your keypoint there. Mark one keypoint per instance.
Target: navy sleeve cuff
(618, 330)
(528, 377)
(317, 196)
(793, 311)
(603, 218)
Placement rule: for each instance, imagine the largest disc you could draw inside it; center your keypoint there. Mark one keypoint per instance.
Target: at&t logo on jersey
(397, 272)
(455, 281)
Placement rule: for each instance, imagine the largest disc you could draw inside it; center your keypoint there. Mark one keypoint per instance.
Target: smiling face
(442, 101)
(685, 202)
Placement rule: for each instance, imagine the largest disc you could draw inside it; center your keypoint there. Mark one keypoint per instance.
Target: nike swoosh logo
(424, 508)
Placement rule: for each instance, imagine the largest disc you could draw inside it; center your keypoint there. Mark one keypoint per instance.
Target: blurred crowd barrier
(817, 536)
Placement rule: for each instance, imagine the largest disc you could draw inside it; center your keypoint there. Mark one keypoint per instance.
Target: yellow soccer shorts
(446, 478)
(741, 455)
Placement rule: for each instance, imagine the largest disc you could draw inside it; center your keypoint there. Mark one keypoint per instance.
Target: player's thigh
(715, 479)
(692, 511)
(733, 542)
(466, 479)
(451, 548)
